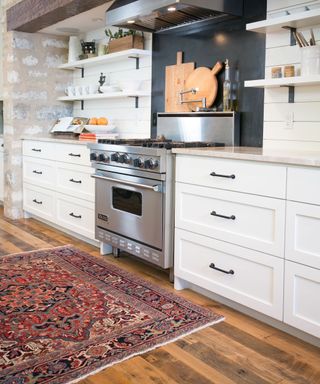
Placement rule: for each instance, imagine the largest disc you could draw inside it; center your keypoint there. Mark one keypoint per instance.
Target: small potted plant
(123, 40)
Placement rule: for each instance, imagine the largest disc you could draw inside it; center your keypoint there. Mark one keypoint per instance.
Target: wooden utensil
(176, 76)
(205, 82)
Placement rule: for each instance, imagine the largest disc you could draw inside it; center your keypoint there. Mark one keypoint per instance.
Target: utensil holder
(310, 60)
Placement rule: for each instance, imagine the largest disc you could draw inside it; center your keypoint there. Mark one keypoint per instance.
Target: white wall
(131, 122)
(305, 133)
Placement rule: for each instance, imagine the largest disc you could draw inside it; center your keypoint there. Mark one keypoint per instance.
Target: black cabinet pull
(74, 155)
(231, 272)
(75, 216)
(214, 213)
(37, 202)
(225, 176)
(2, 145)
(36, 150)
(75, 181)
(37, 172)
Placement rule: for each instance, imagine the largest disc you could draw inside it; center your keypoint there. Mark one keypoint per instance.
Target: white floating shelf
(296, 20)
(297, 81)
(111, 95)
(111, 57)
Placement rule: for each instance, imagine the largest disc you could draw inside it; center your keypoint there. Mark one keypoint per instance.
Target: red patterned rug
(65, 314)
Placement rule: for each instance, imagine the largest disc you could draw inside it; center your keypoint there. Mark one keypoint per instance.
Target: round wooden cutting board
(205, 81)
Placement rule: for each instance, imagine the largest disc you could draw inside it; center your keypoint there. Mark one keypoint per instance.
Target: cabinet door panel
(302, 292)
(303, 229)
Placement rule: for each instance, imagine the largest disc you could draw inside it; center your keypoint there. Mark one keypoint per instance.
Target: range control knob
(151, 164)
(124, 159)
(103, 158)
(115, 157)
(93, 156)
(138, 162)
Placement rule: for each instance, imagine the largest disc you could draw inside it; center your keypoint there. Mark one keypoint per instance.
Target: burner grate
(156, 143)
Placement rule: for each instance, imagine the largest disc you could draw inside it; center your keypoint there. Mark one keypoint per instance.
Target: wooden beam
(34, 15)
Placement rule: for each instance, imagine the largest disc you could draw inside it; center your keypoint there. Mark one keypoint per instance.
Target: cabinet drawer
(303, 229)
(39, 172)
(74, 153)
(40, 149)
(250, 221)
(257, 279)
(38, 201)
(75, 180)
(234, 175)
(304, 185)
(76, 215)
(302, 292)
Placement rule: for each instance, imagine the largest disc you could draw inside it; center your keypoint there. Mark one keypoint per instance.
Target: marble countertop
(293, 157)
(57, 139)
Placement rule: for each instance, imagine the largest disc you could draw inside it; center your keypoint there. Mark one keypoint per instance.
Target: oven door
(130, 206)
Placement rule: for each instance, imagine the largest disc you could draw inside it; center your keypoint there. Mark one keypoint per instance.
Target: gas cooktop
(159, 143)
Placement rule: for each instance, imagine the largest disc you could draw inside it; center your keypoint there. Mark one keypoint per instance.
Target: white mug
(70, 91)
(78, 90)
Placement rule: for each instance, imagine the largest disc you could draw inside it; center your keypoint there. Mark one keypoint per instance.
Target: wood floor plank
(240, 350)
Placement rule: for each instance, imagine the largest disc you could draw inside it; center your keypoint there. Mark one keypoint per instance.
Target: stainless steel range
(135, 185)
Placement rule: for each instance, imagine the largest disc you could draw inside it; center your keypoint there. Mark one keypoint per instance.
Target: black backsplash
(205, 46)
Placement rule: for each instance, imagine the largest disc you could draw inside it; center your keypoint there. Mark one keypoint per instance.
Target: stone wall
(32, 84)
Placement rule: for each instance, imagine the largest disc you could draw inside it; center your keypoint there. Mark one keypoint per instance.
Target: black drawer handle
(37, 172)
(74, 155)
(214, 213)
(231, 272)
(37, 202)
(2, 145)
(75, 216)
(75, 181)
(225, 176)
(36, 150)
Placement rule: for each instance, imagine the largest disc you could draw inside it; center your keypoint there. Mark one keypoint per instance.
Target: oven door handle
(155, 188)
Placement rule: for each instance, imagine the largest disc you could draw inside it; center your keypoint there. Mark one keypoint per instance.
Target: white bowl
(110, 88)
(131, 85)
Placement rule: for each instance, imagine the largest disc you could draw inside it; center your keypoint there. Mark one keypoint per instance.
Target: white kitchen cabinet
(303, 234)
(301, 302)
(248, 277)
(1, 171)
(250, 221)
(58, 186)
(265, 229)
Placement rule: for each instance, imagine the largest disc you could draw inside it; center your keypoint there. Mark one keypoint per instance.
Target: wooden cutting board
(205, 81)
(176, 76)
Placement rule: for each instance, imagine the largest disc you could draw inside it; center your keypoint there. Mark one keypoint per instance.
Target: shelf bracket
(82, 105)
(137, 58)
(82, 71)
(291, 93)
(136, 101)
(292, 38)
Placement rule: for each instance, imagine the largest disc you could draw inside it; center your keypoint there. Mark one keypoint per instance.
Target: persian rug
(65, 315)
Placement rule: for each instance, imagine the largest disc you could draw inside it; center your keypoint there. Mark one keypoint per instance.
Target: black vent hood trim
(153, 16)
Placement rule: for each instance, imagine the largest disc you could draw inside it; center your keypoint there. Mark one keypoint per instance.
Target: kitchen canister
(310, 60)
(74, 49)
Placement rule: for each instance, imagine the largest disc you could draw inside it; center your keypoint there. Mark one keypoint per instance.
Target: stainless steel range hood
(159, 15)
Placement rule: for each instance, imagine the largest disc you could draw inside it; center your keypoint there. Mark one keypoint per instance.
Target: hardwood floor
(239, 350)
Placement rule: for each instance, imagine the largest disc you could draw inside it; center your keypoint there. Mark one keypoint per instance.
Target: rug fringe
(145, 351)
